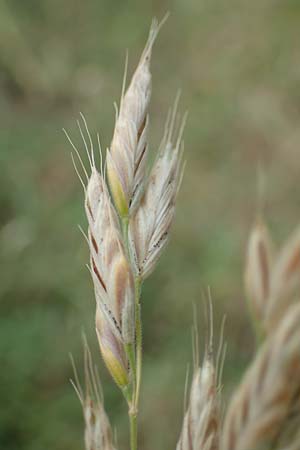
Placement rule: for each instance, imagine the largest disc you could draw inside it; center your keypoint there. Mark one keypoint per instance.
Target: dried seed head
(285, 280)
(98, 433)
(201, 423)
(112, 276)
(126, 159)
(258, 270)
(263, 400)
(150, 225)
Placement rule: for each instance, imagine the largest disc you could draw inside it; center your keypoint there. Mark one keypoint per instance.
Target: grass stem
(134, 353)
(133, 430)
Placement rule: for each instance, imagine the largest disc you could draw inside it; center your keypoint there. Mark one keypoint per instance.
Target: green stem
(139, 340)
(129, 348)
(130, 352)
(134, 352)
(127, 392)
(132, 415)
(133, 430)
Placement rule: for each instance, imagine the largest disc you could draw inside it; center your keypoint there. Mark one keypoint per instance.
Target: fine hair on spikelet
(98, 433)
(130, 209)
(203, 419)
(261, 404)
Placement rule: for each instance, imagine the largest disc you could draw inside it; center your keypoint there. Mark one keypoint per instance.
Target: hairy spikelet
(150, 226)
(129, 223)
(127, 156)
(201, 422)
(97, 433)
(111, 273)
(285, 280)
(261, 403)
(258, 270)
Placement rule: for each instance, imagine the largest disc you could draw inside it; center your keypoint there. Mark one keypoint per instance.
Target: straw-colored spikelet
(112, 277)
(285, 279)
(97, 434)
(201, 422)
(150, 225)
(265, 396)
(258, 270)
(127, 156)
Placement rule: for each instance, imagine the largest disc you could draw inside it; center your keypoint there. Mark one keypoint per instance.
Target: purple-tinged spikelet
(112, 276)
(97, 433)
(127, 156)
(150, 225)
(261, 404)
(201, 423)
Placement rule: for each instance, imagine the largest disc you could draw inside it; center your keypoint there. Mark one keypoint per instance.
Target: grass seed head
(201, 422)
(285, 280)
(97, 434)
(258, 270)
(127, 156)
(150, 225)
(111, 274)
(261, 404)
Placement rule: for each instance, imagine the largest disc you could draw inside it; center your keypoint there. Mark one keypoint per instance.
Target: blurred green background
(238, 65)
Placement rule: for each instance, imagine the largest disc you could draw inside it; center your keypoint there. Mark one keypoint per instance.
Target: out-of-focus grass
(239, 68)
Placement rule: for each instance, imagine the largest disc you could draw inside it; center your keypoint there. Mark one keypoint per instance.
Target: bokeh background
(238, 65)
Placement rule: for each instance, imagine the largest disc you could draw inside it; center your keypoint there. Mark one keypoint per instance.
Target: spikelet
(285, 280)
(112, 276)
(261, 403)
(258, 270)
(201, 422)
(98, 433)
(150, 225)
(127, 157)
